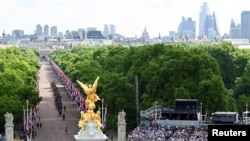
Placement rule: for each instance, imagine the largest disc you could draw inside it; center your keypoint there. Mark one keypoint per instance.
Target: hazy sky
(129, 16)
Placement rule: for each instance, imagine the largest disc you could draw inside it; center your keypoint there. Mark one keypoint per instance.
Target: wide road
(53, 126)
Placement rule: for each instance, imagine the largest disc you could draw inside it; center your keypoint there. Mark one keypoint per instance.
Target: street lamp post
(246, 106)
(201, 113)
(155, 113)
(246, 116)
(27, 121)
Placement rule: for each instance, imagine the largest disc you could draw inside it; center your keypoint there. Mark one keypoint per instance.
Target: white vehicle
(225, 118)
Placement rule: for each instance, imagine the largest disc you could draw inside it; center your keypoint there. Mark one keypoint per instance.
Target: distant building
(106, 30)
(53, 31)
(202, 17)
(112, 29)
(17, 34)
(46, 30)
(95, 35)
(211, 27)
(208, 25)
(75, 35)
(109, 31)
(145, 35)
(187, 28)
(81, 33)
(39, 30)
(245, 25)
(68, 34)
(234, 32)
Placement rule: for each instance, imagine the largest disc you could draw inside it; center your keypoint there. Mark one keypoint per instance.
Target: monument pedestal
(9, 127)
(121, 126)
(90, 133)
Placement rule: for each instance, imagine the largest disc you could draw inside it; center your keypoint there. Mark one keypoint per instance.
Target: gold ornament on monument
(92, 97)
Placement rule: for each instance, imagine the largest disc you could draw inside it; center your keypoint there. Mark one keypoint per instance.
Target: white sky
(129, 16)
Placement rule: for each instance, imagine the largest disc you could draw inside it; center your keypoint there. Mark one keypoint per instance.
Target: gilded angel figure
(90, 91)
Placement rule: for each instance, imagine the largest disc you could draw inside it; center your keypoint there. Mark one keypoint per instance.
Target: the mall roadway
(53, 126)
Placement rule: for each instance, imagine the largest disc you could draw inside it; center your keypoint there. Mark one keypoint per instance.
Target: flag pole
(27, 120)
(31, 122)
(24, 123)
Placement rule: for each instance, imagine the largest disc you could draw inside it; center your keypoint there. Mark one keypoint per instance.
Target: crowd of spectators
(168, 133)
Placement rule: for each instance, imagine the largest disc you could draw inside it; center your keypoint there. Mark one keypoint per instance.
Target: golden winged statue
(92, 97)
(90, 91)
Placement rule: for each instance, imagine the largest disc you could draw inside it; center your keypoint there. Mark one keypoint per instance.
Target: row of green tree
(216, 74)
(18, 73)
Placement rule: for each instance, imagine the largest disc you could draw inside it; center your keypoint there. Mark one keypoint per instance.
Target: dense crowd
(168, 133)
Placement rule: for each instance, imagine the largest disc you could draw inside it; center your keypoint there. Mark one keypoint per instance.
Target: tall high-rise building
(46, 30)
(208, 23)
(211, 27)
(202, 17)
(245, 25)
(234, 32)
(106, 30)
(187, 28)
(216, 25)
(112, 29)
(53, 31)
(39, 30)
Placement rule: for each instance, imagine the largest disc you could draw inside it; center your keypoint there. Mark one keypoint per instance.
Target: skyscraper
(208, 24)
(234, 32)
(106, 30)
(187, 28)
(202, 17)
(39, 30)
(53, 31)
(46, 30)
(112, 29)
(245, 25)
(211, 27)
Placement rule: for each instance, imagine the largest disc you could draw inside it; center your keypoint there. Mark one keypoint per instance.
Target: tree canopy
(213, 74)
(18, 75)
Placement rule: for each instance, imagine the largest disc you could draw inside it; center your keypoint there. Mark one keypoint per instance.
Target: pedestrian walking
(40, 125)
(60, 112)
(37, 125)
(63, 116)
(64, 107)
(66, 130)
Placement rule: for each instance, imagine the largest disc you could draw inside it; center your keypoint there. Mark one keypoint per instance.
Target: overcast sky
(129, 16)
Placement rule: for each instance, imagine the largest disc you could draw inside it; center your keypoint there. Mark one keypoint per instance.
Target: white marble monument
(91, 133)
(9, 133)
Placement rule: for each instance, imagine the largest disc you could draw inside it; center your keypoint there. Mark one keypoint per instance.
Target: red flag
(36, 111)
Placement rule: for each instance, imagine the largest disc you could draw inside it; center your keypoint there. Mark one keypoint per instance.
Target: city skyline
(129, 17)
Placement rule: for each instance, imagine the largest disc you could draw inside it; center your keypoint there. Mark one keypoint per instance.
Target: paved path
(53, 126)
